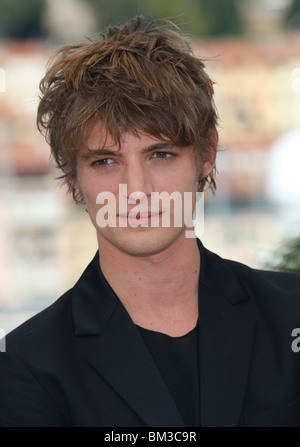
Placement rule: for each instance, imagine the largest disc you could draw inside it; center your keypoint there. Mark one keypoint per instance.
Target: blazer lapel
(225, 342)
(119, 354)
(123, 360)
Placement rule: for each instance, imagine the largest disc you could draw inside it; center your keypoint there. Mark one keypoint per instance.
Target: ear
(210, 156)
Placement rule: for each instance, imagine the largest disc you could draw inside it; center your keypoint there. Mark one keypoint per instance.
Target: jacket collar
(93, 301)
(119, 354)
(216, 275)
(225, 341)
(226, 338)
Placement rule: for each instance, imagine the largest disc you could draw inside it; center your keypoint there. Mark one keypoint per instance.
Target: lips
(140, 218)
(140, 215)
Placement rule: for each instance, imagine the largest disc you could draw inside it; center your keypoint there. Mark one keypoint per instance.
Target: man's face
(143, 165)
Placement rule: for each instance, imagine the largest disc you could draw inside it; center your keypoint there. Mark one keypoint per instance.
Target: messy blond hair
(132, 80)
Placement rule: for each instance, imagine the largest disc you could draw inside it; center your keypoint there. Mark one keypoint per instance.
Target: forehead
(99, 138)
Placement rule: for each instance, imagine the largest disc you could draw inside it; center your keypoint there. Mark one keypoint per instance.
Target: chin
(142, 242)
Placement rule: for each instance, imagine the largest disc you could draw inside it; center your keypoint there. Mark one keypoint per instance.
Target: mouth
(140, 216)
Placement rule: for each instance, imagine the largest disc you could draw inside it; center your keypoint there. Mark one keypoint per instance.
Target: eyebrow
(90, 153)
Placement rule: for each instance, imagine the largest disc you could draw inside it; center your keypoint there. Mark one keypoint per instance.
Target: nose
(138, 182)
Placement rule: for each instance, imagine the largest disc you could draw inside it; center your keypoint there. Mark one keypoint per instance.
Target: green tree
(287, 257)
(21, 18)
(293, 15)
(222, 17)
(197, 17)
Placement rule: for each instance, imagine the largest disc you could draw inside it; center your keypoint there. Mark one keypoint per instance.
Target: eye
(162, 155)
(103, 162)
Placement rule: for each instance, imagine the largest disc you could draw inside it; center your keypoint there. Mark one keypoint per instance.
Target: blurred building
(258, 98)
(41, 245)
(46, 240)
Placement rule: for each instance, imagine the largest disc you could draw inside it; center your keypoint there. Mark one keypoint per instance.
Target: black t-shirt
(177, 360)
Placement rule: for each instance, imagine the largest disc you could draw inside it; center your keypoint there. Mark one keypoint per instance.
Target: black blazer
(82, 361)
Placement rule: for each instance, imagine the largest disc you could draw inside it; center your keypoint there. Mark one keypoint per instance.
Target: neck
(159, 291)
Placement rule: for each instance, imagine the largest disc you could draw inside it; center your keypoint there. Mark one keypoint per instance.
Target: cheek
(91, 185)
(189, 177)
(91, 191)
(86, 190)
(181, 180)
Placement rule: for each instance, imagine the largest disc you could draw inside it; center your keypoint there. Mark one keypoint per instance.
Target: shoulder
(270, 299)
(280, 282)
(45, 328)
(266, 289)
(54, 325)
(33, 352)
(275, 295)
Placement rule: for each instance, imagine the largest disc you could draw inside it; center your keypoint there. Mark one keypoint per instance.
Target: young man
(158, 331)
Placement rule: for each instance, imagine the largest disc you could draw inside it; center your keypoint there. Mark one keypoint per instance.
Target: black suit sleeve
(23, 401)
